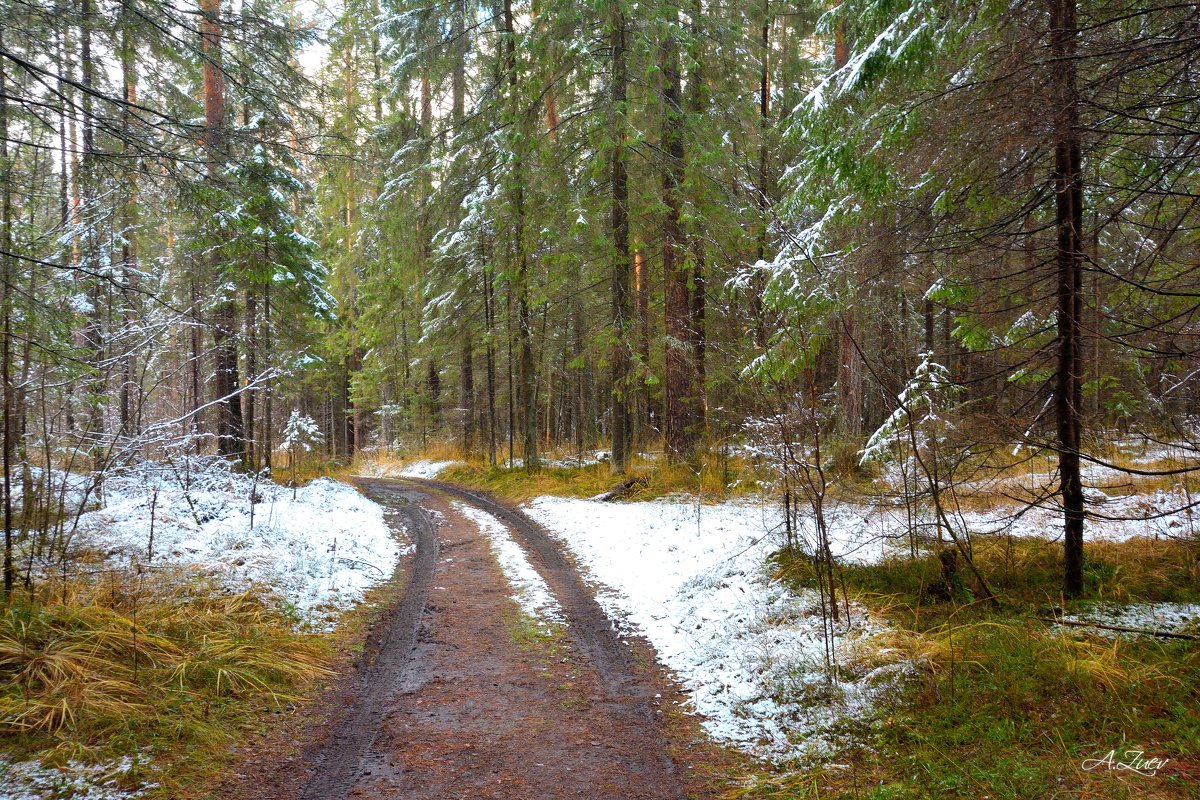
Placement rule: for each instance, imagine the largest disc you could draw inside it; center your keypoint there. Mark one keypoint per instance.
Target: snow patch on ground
(425, 469)
(692, 579)
(30, 780)
(529, 589)
(1166, 617)
(317, 549)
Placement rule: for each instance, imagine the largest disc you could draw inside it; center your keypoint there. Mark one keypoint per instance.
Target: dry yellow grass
(119, 663)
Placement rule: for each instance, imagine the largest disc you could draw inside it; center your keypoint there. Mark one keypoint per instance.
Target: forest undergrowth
(1003, 703)
(163, 667)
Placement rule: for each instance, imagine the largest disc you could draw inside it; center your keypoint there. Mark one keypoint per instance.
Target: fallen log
(621, 489)
(1121, 629)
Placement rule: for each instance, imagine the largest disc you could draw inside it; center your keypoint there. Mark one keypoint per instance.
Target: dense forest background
(957, 234)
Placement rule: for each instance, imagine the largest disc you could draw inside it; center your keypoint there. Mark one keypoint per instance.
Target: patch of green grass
(537, 635)
(1026, 574)
(1019, 709)
(1002, 705)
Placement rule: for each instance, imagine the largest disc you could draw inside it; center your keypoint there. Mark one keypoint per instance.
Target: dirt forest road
(458, 697)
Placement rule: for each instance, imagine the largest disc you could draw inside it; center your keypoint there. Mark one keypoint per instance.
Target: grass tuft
(163, 662)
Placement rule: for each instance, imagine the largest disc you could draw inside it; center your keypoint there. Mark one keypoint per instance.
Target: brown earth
(459, 695)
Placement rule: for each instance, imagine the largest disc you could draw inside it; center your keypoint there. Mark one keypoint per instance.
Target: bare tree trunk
(466, 390)
(526, 379)
(763, 190)
(642, 295)
(250, 394)
(129, 383)
(697, 107)
(196, 350)
(466, 374)
(1068, 219)
(230, 436)
(489, 299)
(93, 329)
(6, 211)
(850, 374)
(622, 266)
(268, 446)
(679, 414)
(850, 366)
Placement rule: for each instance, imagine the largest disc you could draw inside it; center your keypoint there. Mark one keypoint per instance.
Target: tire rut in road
(590, 627)
(345, 756)
(453, 707)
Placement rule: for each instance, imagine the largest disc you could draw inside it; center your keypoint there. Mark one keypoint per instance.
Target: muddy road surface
(460, 695)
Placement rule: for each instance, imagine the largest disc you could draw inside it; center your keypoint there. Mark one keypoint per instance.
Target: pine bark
(230, 435)
(526, 370)
(6, 444)
(641, 283)
(697, 107)
(489, 311)
(93, 335)
(679, 414)
(466, 390)
(466, 375)
(622, 265)
(249, 396)
(1068, 223)
(129, 394)
(850, 366)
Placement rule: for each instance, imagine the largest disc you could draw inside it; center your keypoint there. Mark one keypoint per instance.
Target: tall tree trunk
(489, 299)
(225, 354)
(581, 428)
(697, 107)
(622, 266)
(641, 287)
(129, 385)
(249, 396)
(1068, 222)
(526, 396)
(466, 373)
(195, 356)
(762, 191)
(850, 366)
(6, 244)
(93, 328)
(268, 445)
(466, 390)
(679, 416)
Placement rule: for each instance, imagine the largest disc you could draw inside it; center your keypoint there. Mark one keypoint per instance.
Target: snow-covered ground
(30, 780)
(693, 580)
(317, 550)
(1163, 617)
(529, 589)
(425, 469)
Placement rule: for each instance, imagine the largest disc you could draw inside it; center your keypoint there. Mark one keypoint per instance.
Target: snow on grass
(1164, 617)
(317, 551)
(425, 469)
(529, 589)
(30, 780)
(1161, 514)
(382, 467)
(692, 579)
